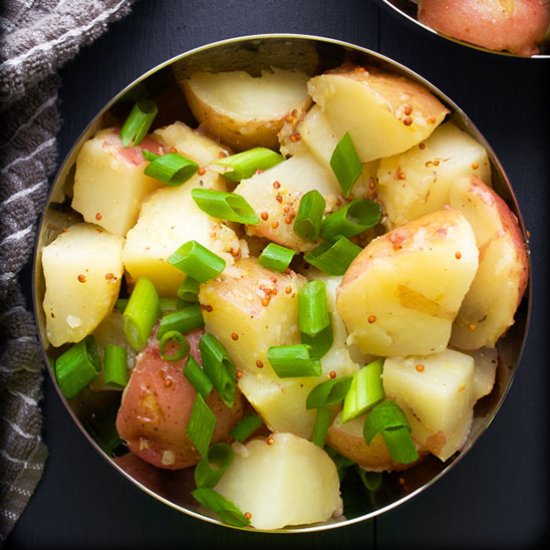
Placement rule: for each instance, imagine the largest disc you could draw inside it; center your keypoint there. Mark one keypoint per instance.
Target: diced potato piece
(189, 143)
(251, 309)
(246, 111)
(490, 305)
(168, 219)
(279, 203)
(289, 481)
(419, 181)
(390, 113)
(402, 292)
(82, 271)
(347, 438)
(109, 183)
(485, 370)
(437, 398)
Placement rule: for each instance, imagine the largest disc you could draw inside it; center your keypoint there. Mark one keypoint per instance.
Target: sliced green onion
(320, 428)
(366, 391)
(345, 164)
(371, 480)
(189, 290)
(352, 219)
(212, 467)
(137, 124)
(225, 206)
(313, 314)
(167, 305)
(341, 462)
(140, 313)
(219, 367)
(197, 261)
(197, 377)
(328, 393)
(183, 320)
(386, 415)
(307, 224)
(320, 343)
(400, 445)
(115, 366)
(177, 344)
(293, 361)
(223, 508)
(77, 367)
(249, 423)
(171, 169)
(121, 304)
(201, 426)
(243, 165)
(276, 257)
(333, 258)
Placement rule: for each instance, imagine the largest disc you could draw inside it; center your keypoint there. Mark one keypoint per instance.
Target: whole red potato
(516, 26)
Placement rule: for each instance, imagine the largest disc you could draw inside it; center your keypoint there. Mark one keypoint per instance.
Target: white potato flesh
(436, 392)
(390, 113)
(109, 183)
(189, 143)
(288, 481)
(403, 291)
(279, 203)
(82, 270)
(246, 111)
(169, 218)
(485, 370)
(420, 180)
(490, 305)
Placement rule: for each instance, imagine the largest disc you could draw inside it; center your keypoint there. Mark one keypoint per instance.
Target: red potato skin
(516, 26)
(156, 407)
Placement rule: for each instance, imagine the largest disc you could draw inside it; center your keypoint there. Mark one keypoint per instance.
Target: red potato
(156, 407)
(513, 25)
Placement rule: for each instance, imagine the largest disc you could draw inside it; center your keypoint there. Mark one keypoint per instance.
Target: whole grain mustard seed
(259, 364)
(332, 374)
(458, 254)
(81, 278)
(201, 171)
(234, 336)
(264, 216)
(239, 374)
(475, 166)
(109, 276)
(420, 367)
(98, 216)
(276, 184)
(248, 516)
(407, 121)
(270, 440)
(371, 319)
(471, 327)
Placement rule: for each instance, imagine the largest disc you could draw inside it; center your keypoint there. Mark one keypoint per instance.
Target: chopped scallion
(170, 304)
(333, 258)
(366, 391)
(320, 343)
(140, 313)
(202, 423)
(219, 367)
(189, 290)
(183, 320)
(352, 219)
(313, 314)
(121, 304)
(400, 445)
(212, 467)
(345, 164)
(293, 361)
(197, 261)
(386, 415)
(244, 165)
(223, 508)
(137, 124)
(249, 423)
(321, 425)
(225, 206)
(171, 169)
(173, 346)
(371, 480)
(328, 393)
(115, 366)
(307, 224)
(276, 257)
(77, 367)
(197, 377)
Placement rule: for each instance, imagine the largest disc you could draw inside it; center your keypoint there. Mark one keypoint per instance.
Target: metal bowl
(406, 10)
(94, 412)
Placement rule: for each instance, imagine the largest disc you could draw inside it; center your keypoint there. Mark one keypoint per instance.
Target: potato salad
(309, 277)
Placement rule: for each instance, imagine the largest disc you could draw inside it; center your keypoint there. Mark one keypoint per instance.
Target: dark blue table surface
(497, 497)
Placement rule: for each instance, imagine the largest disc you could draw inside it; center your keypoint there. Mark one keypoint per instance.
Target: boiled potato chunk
(82, 270)
(109, 183)
(251, 309)
(390, 113)
(402, 293)
(282, 481)
(169, 217)
(420, 180)
(490, 305)
(436, 392)
(485, 370)
(275, 195)
(246, 111)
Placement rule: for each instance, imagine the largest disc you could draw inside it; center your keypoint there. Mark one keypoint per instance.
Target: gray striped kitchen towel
(36, 38)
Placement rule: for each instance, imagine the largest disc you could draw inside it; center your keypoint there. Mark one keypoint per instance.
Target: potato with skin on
(390, 113)
(82, 271)
(401, 294)
(490, 305)
(246, 111)
(420, 180)
(109, 183)
(169, 218)
(516, 26)
(156, 407)
(281, 481)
